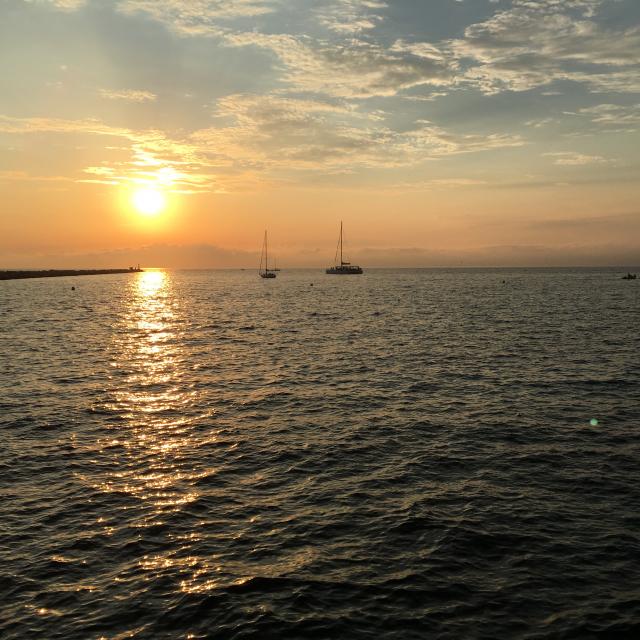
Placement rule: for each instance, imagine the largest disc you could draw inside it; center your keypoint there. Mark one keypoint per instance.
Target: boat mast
(266, 256)
(341, 263)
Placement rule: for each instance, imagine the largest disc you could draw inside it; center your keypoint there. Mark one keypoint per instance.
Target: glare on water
(149, 393)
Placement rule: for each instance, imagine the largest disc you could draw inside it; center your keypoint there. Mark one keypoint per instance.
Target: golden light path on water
(162, 450)
(159, 407)
(148, 354)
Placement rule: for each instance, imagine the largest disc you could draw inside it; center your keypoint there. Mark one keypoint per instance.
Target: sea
(405, 454)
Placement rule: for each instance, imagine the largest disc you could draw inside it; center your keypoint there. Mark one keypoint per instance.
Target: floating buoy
(73, 288)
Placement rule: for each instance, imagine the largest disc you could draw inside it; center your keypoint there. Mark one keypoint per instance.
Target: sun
(149, 202)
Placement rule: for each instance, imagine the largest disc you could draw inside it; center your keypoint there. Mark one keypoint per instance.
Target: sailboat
(266, 272)
(343, 268)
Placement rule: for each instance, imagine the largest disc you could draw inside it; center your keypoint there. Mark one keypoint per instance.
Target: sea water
(403, 454)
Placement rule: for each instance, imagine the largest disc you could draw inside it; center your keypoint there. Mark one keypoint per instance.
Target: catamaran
(264, 259)
(343, 268)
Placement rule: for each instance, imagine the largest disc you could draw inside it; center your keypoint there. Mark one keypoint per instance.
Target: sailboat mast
(266, 254)
(340, 241)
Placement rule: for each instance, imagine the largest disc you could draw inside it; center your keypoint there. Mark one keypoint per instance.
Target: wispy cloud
(528, 44)
(59, 125)
(23, 176)
(613, 114)
(150, 157)
(353, 69)
(286, 133)
(129, 95)
(535, 43)
(351, 16)
(265, 139)
(67, 5)
(198, 17)
(572, 158)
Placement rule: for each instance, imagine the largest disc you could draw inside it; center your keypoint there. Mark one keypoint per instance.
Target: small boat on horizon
(630, 276)
(264, 259)
(343, 268)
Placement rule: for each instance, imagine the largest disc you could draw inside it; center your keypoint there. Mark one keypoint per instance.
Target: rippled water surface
(399, 455)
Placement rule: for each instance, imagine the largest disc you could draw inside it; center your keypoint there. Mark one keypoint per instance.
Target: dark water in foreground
(404, 454)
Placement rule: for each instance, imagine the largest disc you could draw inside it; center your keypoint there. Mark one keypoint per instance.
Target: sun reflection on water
(149, 283)
(155, 435)
(152, 401)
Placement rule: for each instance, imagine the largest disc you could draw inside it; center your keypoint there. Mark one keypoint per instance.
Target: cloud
(355, 69)
(351, 16)
(535, 43)
(530, 44)
(539, 123)
(437, 184)
(612, 114)
(151, 157)
(67, 5)
(262, 140)
(273, 132)
(212, 17)
(23, 176)
(572, 158)
(457, 182)
(129, 95)
(197, 17)
(348, 67)
(59, 125)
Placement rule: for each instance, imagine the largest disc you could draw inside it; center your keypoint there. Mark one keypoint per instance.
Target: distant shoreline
(57, 273)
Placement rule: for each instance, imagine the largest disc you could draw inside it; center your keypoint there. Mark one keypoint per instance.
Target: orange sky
(501, 134)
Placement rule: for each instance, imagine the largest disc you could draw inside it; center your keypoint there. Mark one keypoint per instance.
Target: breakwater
(56, 273)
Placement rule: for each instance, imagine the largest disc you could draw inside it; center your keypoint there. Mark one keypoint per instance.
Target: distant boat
(343, 268)
(630, 276)
(264, 260)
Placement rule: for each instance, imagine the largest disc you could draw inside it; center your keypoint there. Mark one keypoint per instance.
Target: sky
(442, 132)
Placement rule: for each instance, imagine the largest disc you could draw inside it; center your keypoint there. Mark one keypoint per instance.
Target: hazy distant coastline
(209, 256)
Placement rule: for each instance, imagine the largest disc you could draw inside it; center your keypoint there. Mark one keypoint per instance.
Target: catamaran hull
(344, 271)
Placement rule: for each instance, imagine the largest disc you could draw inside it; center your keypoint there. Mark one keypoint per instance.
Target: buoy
(73, 288)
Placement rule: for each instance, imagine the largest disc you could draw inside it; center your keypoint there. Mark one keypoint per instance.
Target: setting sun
(149, 201)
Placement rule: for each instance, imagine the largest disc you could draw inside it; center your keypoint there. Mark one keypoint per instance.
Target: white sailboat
(264, 260)
(343, 268)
